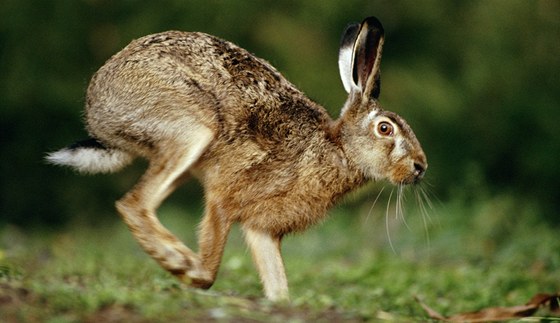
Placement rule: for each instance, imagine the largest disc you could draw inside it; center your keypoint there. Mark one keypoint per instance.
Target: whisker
(429, 196)
(421, 200)
(397, 205)
(401, 199)
(387, 222)
(425, 214)
(374, 202)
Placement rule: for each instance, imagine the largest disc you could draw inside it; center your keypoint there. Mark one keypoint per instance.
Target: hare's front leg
(138, 207)
(268, 259)
(212, 238)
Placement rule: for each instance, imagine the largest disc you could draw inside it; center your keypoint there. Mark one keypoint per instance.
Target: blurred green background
(477, 80)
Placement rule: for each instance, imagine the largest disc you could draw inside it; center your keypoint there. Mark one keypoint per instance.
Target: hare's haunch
(267, 156)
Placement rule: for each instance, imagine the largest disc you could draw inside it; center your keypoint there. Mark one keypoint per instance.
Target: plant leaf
(501, 313)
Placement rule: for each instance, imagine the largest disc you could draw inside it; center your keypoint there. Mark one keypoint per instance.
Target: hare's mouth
(409, 175)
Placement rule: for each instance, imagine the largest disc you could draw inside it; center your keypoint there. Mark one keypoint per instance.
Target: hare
(267, 157)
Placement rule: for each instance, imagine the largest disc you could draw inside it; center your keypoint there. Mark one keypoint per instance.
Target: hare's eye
(385, 128)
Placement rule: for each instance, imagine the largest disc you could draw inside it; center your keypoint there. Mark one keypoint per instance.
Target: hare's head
(379, 142)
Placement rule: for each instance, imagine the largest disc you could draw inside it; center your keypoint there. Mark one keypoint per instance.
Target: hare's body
(201, 86)
(267, 156)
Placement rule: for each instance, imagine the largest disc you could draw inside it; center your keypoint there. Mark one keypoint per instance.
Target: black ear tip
(349, 35)
(373, 22)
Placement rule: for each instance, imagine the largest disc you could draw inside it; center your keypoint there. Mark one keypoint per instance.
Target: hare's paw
(186, 265)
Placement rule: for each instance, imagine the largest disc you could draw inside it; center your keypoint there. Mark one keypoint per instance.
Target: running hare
(267, 156)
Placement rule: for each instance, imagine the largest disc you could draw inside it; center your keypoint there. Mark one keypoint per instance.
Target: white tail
(90, 157)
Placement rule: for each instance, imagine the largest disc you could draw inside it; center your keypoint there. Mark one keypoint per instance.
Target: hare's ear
(346, 57)
(366, 58)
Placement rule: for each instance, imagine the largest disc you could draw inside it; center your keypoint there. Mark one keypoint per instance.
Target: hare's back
(172, 76)
(181, 60)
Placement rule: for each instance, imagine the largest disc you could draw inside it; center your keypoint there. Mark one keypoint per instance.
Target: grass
(468, 256)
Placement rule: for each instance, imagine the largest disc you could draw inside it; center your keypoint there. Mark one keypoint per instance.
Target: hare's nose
(419, 170)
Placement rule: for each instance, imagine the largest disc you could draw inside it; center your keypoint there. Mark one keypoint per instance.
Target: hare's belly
(268, 201)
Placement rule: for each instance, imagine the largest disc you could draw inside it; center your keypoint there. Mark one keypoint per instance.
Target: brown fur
(267, 156)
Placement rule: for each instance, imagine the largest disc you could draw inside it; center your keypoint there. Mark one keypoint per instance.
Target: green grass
(469, 256)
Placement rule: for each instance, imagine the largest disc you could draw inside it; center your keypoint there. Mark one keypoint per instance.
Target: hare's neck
(340, 173)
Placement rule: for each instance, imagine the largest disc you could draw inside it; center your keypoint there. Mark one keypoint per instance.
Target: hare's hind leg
(138, 208)
(268, 260)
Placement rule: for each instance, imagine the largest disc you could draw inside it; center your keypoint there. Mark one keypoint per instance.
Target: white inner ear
(345, 67)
